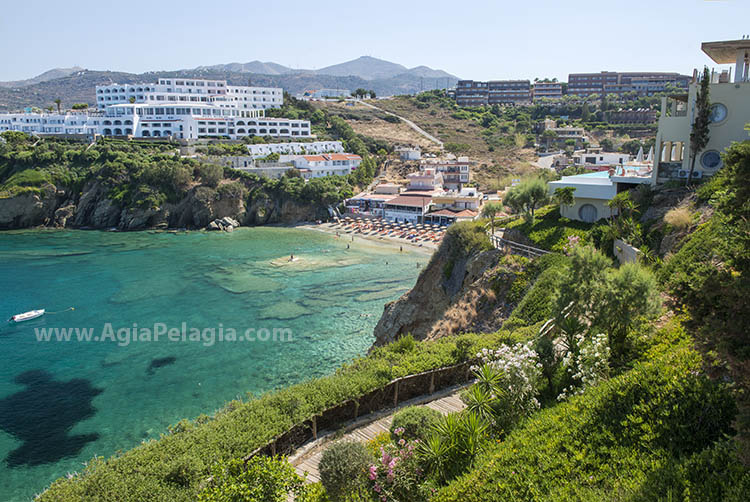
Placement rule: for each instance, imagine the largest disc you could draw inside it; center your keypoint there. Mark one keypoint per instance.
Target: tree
(80, 106)
(528, 196)
(564, 196)
(585, 113)
(58, 102)
(372, 94)
(490, 210)
(607, 145)
(699, 136)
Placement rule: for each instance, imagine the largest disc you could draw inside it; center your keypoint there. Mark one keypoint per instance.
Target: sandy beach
(426, 248)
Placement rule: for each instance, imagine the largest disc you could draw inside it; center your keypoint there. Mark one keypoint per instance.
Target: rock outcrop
(452, 295)
(202, 207)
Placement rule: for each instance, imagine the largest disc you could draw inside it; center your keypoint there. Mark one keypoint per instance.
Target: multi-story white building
(177, 108)
(182, 90)
(51, 123)
(291, 148)
(317, 166)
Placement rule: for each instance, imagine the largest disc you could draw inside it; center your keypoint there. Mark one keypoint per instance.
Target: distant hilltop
(76, 85)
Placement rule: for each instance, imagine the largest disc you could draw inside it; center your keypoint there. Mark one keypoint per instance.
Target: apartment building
(473, 93)
(455, 172)
(547, 90)
(612, 82)
(180, 90)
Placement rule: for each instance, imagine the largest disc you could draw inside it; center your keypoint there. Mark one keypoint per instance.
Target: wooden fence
(398, 390)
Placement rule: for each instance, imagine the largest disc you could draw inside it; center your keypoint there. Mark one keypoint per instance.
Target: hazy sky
(476, 39)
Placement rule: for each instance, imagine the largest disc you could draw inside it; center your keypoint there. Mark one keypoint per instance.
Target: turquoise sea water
(61, 402)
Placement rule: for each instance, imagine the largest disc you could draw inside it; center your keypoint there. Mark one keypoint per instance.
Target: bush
(211, 174)
(343, 468)
(261, 479)
(679, 218)
(414, 422)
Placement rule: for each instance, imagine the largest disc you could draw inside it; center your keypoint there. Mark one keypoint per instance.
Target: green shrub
(211, 174)
(416, 421)
(261, 479)
(343, 468)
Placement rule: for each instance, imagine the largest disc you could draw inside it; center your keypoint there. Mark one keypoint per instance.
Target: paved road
(409, 123)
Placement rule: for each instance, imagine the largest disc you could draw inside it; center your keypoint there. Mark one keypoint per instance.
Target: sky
(481, 40)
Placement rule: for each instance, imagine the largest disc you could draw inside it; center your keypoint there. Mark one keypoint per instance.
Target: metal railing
(516, 247)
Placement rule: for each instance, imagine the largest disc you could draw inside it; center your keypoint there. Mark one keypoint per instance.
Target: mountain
(263, 68)
(76, 85)
(366, 67)
(53, 74)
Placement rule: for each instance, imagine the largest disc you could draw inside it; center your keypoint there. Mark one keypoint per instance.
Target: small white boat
(32, 314)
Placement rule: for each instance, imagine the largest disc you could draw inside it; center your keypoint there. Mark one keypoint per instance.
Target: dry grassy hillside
(492, 168)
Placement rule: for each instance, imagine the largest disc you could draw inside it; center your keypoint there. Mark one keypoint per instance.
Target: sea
(144, 329)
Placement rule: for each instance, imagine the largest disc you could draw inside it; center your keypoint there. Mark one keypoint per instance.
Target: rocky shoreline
(201, 208)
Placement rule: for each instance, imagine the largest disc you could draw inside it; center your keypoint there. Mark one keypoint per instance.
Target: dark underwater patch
(159, 362)
(42, 415)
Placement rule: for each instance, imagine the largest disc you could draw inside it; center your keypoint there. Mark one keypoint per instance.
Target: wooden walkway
(307, 458)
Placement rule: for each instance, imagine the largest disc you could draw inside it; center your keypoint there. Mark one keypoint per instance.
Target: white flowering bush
(586, 361)
(511, 377)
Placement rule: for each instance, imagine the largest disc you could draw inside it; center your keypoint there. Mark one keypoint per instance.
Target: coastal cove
(61, 403)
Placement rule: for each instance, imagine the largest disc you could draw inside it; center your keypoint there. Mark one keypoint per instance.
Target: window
(719, 113)
(711, 159)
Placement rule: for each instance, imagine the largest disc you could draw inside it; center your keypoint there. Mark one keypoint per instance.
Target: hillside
(75, 85)
(43, 77)
(497, 148)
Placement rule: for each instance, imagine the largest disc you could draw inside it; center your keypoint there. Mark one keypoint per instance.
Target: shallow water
(63, 402)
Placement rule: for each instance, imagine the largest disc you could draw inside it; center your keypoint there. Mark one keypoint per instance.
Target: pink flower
(377, 488)
(373, 472)
(402, 442)
(399, 431)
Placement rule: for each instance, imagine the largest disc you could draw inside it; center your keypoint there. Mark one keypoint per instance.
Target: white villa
(730, 100)
(181, 109)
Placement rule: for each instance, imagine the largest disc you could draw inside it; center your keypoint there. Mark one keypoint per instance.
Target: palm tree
(58, 102)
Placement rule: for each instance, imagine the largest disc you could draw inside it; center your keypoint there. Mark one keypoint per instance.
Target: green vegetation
(462, 240)
(652, 433)
(699, 133)
(414, 422)
(549, 230)
(261, 479)
(527, 196)
(146, 175)
(342, 468)
(144, 473)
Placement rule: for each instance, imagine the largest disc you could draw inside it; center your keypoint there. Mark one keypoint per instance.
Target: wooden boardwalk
(307, 458)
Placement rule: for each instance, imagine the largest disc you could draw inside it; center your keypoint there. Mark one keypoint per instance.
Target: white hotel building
(191, 110)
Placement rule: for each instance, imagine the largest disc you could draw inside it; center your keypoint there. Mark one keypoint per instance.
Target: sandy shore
(395, 243)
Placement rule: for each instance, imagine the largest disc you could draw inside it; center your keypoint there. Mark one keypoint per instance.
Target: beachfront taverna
(730, 112)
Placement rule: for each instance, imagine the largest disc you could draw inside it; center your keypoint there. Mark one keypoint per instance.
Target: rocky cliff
(93, 208)
(460, 290)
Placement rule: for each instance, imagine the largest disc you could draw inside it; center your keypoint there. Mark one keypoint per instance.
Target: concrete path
(409, 123)
(307, 458)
